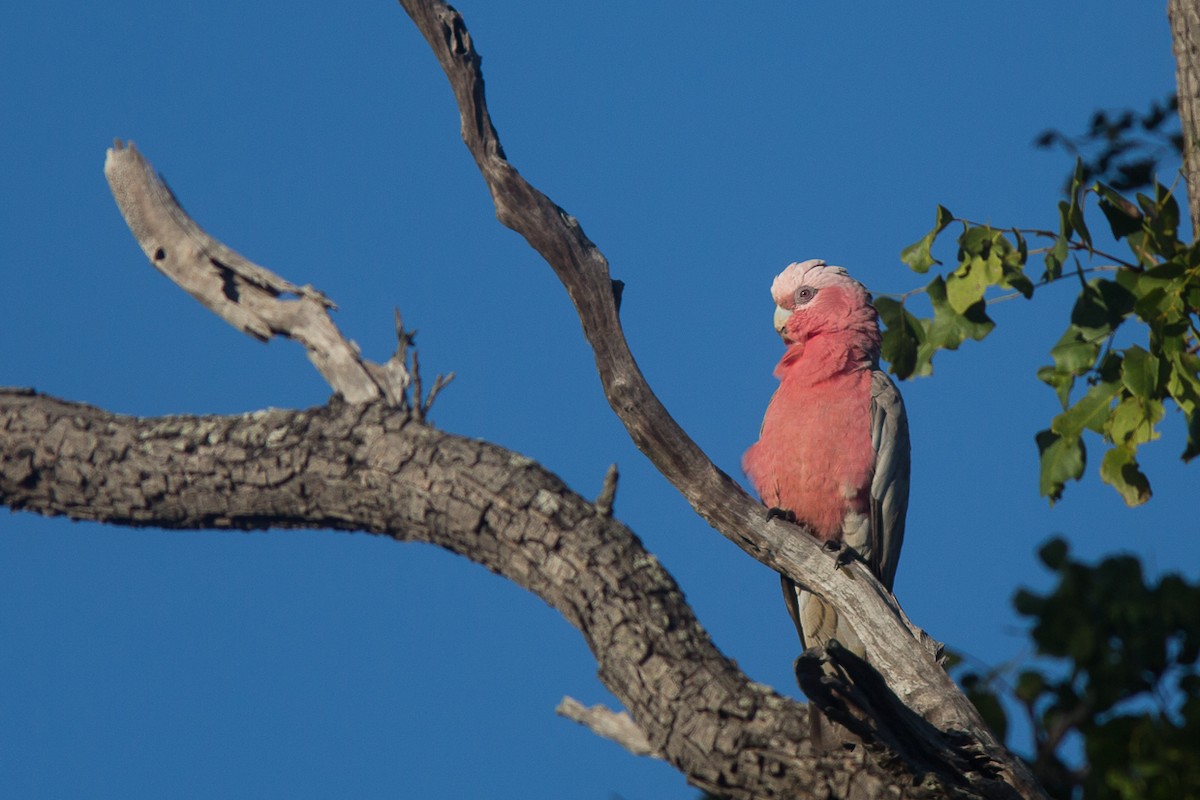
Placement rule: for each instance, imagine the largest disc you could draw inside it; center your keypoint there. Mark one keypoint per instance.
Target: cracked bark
(895, 647)
(373, 466)
(376, 469)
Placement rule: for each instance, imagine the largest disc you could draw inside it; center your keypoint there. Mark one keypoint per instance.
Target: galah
(833, 450)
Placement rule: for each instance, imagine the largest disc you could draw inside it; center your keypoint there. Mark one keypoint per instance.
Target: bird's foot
(781, 513)
(845, 554)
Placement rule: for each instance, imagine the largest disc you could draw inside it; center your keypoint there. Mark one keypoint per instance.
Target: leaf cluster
(1152, 295)
(1122, 149)
(1121, 676)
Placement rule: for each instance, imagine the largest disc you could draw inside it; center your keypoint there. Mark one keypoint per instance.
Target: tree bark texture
(895, 648)
(372, 465)
(1184, 16)
(375, 469)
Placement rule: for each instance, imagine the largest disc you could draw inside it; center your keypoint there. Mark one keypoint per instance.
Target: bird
(833, 453)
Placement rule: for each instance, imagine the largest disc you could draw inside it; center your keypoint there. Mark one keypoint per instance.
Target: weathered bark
(376, 469)
(249, 297)
(1185, 40)
(895, 648)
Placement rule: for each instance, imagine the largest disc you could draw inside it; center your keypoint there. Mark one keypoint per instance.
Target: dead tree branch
(249, 297)
(371, 468)
(896, 649)
(373, 465)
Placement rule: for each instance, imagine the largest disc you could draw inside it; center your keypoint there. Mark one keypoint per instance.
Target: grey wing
(889, 486)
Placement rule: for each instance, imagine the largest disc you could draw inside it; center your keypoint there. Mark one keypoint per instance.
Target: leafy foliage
(1122, 149)
(1119, 673)
(1152, 295)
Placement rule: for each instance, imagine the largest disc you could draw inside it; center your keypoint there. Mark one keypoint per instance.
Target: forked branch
(897, 649)
(365, 467)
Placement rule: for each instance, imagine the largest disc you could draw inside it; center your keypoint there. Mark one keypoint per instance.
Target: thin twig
(439, 383)
(608, 492)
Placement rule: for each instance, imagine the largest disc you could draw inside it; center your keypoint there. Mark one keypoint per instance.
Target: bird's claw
(845, 555)
(781, 513)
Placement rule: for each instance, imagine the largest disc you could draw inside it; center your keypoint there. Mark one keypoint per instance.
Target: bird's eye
(804, 294)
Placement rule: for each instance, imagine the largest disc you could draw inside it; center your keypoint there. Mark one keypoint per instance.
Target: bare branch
(418, 390)
(370, 468)
(249, 297)
(912, 671)
(439, 383)
(608, 492)
(616, 726)
(365, 467)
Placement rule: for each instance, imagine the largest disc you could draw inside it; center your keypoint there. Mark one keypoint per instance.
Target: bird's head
(812, 297)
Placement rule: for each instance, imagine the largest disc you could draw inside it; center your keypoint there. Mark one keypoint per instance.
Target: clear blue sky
(702, 147)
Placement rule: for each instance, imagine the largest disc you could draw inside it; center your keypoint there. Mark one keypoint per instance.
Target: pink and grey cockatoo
(833, 449)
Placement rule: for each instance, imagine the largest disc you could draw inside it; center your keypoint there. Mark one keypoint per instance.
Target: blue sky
(702, 148)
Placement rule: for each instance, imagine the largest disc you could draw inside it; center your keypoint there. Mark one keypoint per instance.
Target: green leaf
(1074, 213)
(1062, 383)
(1090, 413)
(1101, 307)
(1133, 420)
(1161, 225)
(1159, 292)
(1011, 262)
(966, 285)
(1123, 216)
(949, 328)
(1119, 469)
(918, 255)
(1062, 459)
(1193, 436)
(1074, 353)
(986, 258)
(1183, 384)
(1055, 258)
(1146, 204)
(1139, 372)
(1019, 281)
(901, 338)
(976, 240)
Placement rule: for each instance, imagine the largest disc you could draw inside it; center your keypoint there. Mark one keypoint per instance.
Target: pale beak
(782, 315)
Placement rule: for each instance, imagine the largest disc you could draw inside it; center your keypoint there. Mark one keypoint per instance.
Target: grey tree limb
(375, 469)
(370, 467)
(896, 648)
(249, 297)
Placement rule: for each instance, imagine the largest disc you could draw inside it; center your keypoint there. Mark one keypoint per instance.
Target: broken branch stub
(249, 297)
